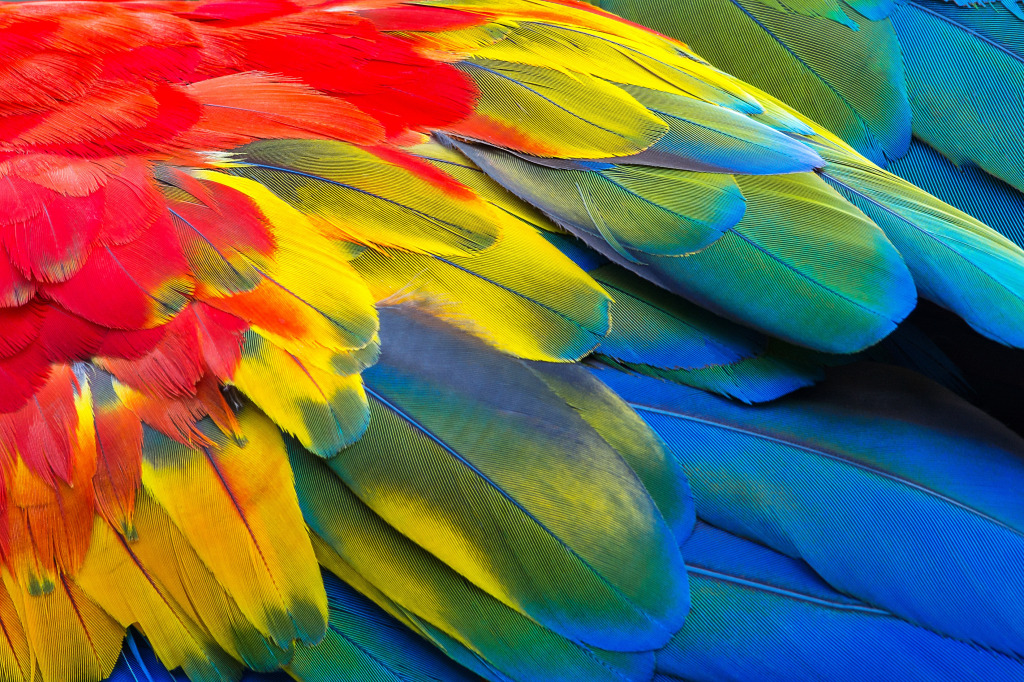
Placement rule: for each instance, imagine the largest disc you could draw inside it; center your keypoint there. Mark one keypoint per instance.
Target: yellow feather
(310, 302)
(71, 639)
(365, 199)
(167, 555)
(114, 578)
(502, 295)
(15, 659)
(236, 505)
(325, 410)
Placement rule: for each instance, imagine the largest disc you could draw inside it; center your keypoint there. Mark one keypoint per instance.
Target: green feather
(492, 472)
(464, 620)
(850, 81)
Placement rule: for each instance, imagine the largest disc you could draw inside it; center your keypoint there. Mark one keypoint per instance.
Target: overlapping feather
(892, 489)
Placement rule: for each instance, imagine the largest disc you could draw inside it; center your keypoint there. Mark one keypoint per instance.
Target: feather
(16, 663)
(325, 410)
(169, 557)
(368, 199)
(502, 295)
(235, 504)
(846, 73)
(119, 451)
(621, 428)
(890, 487)
(802, 264)
(138, 663)
(520, 538)
(909, 346)
(248, 106)
(367, 644)
(664, 336)
(612, 54)
(571, 115)
(146, 282)
(478, 630)
(113, 578)
(703, 137)
(638, 210)
(965, 91)
(965, 187)
(758, 614)
(989, 20)
(956, 261)
(69, 636)
(48, 504)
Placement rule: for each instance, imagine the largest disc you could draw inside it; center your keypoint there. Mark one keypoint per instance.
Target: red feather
(135, 286)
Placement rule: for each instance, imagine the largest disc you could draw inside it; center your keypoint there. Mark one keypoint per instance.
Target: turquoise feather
(966, 92)
(968, 188)
(638, 211)
(994, 21)
(802, 264)
(664, 336)
(714, 139)
(891, 488)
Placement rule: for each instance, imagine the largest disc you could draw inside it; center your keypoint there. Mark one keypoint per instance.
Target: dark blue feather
(893, 489)
(760, 615)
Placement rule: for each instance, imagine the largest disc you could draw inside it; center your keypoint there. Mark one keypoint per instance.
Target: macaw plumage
(495, 340)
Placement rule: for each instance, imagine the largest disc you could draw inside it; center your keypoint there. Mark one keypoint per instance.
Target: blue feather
(760, 615)
(138, 663)
(708, 138)
(912, 348)
(894, 490)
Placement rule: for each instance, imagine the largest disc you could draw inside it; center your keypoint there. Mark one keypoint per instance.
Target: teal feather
(714, 139)
(969, 189)
(875, 10)
(664, 336)
(891, 488)
(640, 211)
(956, 261)
(993, 21)
(966, 92)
